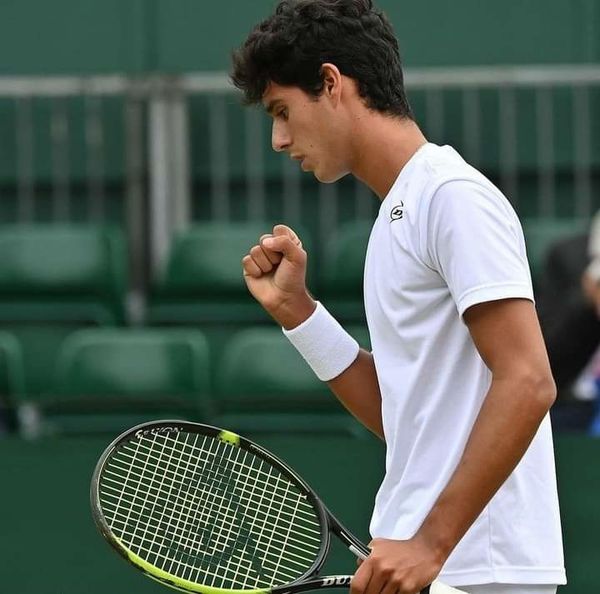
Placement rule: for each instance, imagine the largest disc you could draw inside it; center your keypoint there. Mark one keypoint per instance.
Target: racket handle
(358, 553)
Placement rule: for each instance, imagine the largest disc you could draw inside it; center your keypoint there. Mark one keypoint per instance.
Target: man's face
(309, 129)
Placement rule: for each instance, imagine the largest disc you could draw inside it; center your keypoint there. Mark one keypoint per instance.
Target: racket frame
(327, 521)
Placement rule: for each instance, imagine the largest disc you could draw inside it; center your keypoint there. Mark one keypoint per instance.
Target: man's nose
(280, 138)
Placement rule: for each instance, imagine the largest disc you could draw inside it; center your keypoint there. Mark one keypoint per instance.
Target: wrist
(293, 311)
(324, 344)
(437, 536)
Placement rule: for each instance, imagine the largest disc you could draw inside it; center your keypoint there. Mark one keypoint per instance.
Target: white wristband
(324, 344)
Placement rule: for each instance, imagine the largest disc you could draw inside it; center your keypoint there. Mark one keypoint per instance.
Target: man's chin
(328, 177)
(321, 174)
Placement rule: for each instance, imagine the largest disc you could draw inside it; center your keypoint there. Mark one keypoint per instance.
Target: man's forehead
(273, 94)
(279, 95)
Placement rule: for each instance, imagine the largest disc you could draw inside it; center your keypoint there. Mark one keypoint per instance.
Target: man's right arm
(275, 272)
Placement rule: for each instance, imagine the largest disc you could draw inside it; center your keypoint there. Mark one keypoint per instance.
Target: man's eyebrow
(271, 106)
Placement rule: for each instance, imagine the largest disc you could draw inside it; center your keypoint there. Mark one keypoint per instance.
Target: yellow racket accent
(180, 583)
(230, 438)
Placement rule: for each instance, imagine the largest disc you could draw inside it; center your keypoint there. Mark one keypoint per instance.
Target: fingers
(383, 573)
(377, 582)
(250, 267)
(390, 588)
(263, 260)
(369, 581)
(273, 257)
(271, 248)
(289, 247)
(361, 579)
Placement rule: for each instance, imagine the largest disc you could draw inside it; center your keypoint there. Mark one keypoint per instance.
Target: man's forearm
(357, 389)
(505, 426)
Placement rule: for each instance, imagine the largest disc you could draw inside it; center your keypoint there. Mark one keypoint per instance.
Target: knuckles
(382, 567)
(250, 267)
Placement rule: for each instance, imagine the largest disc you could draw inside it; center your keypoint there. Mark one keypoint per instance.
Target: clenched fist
(275, 273)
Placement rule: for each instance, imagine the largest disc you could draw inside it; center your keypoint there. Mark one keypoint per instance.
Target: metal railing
(180, 160)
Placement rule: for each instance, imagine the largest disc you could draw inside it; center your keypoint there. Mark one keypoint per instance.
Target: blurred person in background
(569, 309)
(458, 383)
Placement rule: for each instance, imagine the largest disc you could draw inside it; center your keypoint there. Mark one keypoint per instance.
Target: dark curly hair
(290, 47)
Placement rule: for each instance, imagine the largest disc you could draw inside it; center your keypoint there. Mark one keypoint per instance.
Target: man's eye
(283, 114)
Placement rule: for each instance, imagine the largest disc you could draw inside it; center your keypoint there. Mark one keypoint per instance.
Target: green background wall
(133, 36)
(170, 36)
(140, 36)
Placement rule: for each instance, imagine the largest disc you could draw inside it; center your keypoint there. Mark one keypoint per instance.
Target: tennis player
(458, 382)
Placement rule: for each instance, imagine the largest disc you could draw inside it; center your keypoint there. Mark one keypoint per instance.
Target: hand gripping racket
(205, 510)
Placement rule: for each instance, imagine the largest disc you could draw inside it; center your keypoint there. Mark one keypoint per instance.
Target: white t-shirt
(446, 239)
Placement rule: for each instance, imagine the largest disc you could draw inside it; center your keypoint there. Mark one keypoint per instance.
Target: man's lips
(301, 159)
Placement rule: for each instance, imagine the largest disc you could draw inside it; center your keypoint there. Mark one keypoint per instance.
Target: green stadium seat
(109, 378)
(263, 384)
(54, 279)
(541, 233)
(202, 280)
(79, 268)
(341, 278)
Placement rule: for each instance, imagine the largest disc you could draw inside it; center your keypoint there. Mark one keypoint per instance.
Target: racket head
(201, 509)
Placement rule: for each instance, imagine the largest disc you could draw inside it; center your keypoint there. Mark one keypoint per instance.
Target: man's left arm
(508, 338)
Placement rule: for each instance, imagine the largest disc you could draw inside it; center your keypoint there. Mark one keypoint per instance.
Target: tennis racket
(204, 510)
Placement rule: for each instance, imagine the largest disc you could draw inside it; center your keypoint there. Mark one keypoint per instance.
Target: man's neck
(383, 145)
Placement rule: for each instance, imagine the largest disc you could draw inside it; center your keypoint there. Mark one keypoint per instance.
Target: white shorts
(509, 589)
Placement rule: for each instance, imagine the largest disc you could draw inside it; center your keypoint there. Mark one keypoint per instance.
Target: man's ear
(332, 82)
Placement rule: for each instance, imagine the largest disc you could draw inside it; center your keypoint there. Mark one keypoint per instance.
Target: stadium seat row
(55, 279)
(108, 379)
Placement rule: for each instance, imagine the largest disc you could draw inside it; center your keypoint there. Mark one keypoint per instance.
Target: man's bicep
(476, 244)
(507, 335)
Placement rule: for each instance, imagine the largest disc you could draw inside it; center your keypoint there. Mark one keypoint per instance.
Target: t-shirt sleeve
(475, 242)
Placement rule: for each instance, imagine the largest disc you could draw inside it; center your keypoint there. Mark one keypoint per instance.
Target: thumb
(285, 245)
(285, 241)
(284, 230)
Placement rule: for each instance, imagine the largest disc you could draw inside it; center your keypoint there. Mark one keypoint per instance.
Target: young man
(458, 383)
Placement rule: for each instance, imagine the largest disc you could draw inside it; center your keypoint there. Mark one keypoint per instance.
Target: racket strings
(209, 512)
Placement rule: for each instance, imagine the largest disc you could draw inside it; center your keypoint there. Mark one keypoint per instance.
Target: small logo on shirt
(397, 212)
